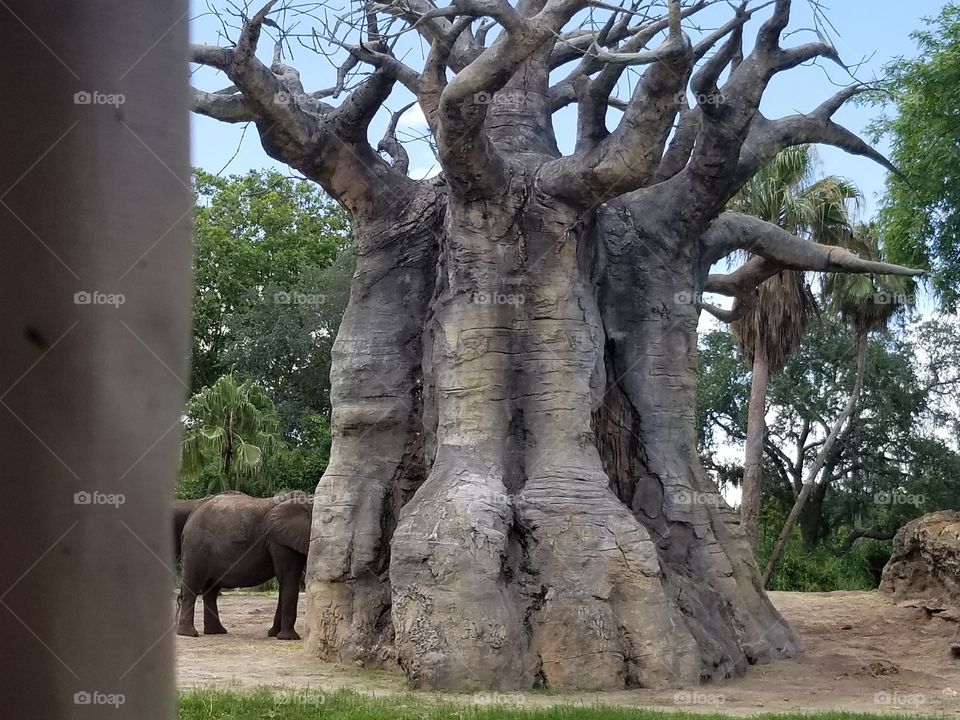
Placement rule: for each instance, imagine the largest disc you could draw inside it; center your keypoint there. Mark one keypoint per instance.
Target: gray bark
(377, 459)
(751, 500)
(96, 200)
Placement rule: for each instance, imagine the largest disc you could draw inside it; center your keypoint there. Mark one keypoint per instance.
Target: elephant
(234, 540)
(182, 509)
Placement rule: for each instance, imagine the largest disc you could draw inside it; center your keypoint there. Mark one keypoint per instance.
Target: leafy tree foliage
(921, 213)
(272, 266)
(897, 461)
(232, 428)
(253, 231)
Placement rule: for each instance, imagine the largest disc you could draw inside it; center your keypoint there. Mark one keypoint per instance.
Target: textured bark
(752, 498)
(514, 564)
(377, 458)
(650, 321)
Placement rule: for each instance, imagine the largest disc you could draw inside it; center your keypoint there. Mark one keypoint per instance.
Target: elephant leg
(289, 565)
(211, 615)
(275, 628)
(188, 601)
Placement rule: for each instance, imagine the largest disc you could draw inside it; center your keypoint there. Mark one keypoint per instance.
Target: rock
(924, 567)
(878, 668)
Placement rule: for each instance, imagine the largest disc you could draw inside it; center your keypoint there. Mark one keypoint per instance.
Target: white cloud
(413, 119)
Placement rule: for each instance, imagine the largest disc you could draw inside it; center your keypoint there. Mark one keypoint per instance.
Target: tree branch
(776, 250)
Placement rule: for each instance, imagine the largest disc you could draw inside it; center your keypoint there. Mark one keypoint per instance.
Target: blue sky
(868, 31)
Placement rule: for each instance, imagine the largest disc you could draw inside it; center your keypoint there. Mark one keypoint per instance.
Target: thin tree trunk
(820, 460)
(752, 492)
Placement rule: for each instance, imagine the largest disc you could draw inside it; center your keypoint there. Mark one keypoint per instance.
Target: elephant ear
(288, 523)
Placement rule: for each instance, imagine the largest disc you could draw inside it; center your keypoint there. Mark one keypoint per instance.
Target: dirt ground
(861, 653)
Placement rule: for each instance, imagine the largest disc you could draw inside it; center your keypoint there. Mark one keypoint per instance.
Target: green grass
(348, 705)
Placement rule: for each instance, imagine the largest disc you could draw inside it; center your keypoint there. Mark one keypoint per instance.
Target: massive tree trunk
(514, 497)
(565, 534)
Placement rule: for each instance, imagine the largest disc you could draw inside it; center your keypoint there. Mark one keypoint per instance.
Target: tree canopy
(920, 215)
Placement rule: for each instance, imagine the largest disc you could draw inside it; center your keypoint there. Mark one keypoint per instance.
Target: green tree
(285, 339)
(920, 215)
(789, 193)
(866, 305)
(254, 231)
(897, 461)
(231, 428)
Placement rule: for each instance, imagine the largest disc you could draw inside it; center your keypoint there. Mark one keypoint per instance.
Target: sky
(867, 33)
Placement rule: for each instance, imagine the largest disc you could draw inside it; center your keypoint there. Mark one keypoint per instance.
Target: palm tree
(867, 303)
(788, 193)
(233, 427)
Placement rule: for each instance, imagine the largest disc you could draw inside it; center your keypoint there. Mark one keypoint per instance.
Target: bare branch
(768, 138)
(627, 158)
(391, 146)
(226, 108)
(776, 250)
(467, 154)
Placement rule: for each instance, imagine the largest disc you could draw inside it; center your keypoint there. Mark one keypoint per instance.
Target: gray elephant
(182, 510)
(234, 540)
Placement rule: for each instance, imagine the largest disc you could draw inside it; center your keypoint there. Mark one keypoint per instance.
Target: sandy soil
(861, 653)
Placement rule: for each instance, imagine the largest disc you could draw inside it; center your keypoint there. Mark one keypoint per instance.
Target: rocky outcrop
(924, 567)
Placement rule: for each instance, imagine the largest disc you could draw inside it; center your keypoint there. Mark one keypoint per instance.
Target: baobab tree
(514, 497)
